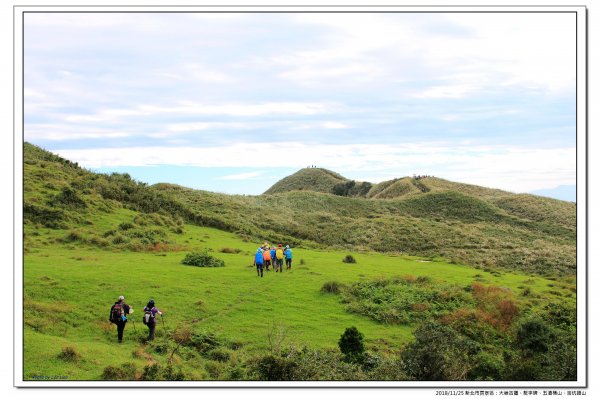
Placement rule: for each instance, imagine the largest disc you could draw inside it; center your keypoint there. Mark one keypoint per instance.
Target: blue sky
(234, 102)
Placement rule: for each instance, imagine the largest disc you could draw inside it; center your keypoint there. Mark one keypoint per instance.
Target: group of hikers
(120, 310)
(266, 256)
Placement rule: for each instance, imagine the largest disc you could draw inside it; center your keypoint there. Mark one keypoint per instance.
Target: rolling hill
(422, 217)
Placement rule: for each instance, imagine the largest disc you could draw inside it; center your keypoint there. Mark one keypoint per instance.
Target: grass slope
(89, 238)
(69, 288)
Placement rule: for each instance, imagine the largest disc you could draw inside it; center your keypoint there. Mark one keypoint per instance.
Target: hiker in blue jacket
(288, 257)
(259, 261)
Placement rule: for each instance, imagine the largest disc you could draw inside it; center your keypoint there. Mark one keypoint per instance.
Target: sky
(234, 102)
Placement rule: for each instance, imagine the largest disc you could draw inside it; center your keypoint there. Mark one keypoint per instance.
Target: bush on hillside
(306, 365)
(404, 300)
(126, 226)
(534, 335)
(124, 373)
(69, 198)
(439, 353)
(202, 259)
(351, 345)
(332, 287)
(156, 372)
(349, 259)
(69, 354)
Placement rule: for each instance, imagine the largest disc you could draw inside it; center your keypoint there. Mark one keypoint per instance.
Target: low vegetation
(202, 259)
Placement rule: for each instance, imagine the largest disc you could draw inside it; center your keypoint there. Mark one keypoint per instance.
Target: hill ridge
(462, 223)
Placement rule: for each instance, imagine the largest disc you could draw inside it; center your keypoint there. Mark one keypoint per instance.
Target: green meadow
(69, 290)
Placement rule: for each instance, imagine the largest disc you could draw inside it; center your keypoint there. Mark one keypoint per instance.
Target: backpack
(279, 254)
(117, 312)
(147, 315)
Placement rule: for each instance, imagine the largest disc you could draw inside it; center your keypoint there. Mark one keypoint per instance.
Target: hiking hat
(287, 247)
(121, 298)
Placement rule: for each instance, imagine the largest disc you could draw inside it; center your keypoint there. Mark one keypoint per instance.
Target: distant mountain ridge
(326, 181)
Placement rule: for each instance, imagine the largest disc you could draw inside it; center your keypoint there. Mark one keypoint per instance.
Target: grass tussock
(332, 287)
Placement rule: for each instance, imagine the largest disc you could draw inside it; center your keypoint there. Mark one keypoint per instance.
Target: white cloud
(68, 132)
(196, 126)
(469, 53)
(509, 168)
(452, 91)
(194, 109)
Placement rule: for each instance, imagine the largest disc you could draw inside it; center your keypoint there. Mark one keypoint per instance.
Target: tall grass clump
(332, 287)
(202, 259)
(69, 354)
(349, 259)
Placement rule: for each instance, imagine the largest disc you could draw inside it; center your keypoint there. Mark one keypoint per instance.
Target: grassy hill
(479, 270)
(468, 224)
(312, 179)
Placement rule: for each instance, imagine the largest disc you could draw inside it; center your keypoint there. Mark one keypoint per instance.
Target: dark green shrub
(69, 198)
(119, 239)
(220, 355)
(487, 367)
(202, 259)
(125, 226)
(151, 372)
(561, 314)
(388, 369)
(274, 368)
(332, 287)
(439, 354)
(169, 373)
(74, 235)
(349, 259)
(51, 218)
(156, 372)
(204, 342)
(124, 373)
(370, 361)
(534, 335)
(69, 354)
(351, 344)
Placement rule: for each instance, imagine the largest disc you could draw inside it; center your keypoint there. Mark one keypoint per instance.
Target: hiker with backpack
(288, 257)
(273, 260)
(267, 257)
(259, 261)
(150, 312)
(279, 258)
(118, 316)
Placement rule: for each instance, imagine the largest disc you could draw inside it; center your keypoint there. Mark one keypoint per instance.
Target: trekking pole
(163, 321)
(133, 321)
